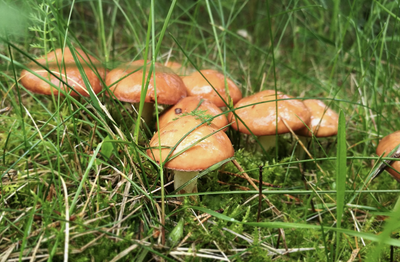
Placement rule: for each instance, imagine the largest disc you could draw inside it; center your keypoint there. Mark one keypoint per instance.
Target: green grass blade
(341, 171)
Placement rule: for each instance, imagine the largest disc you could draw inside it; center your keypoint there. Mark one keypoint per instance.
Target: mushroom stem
(299, 149)
(267, 142)
(181, 177)
(147, 113)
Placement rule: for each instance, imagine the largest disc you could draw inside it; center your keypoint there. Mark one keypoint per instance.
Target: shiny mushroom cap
(204, 154)
(170, 88)
(197, 86)
(189, 104)
(261, 118)
(323, 121)
(66, 69)
(386, 145)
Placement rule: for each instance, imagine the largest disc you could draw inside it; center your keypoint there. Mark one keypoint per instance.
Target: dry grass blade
(190, 233)
(91, 192)
(122, 209)
(124, 253)
(356, 225)
(215, 257)
(7, 253)
(66, 219)
(33, 258)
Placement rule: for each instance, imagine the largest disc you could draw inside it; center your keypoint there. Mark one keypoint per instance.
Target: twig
(353, 255)
(246, 176)
(6, 109)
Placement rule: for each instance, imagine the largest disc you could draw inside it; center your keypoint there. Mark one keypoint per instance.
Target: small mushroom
(258, 112)
(64, 67)
(125, 83)
(385, 146)
(189, 104)
(209, 151)
(323, 123)
(323, 120)
(197, 86)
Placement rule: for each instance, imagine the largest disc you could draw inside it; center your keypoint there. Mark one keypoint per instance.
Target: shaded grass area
(74, 177)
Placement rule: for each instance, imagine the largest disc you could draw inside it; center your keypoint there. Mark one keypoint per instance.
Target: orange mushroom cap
(189, 104)
(176, 67)
(170, 88)
(197, 86)
(323, 120)
(202, 155)
(386, 145)
(65, 68)
(261, 118)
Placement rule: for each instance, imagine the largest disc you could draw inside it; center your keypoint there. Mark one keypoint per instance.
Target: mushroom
(189, 104)
(64, 67)
(201, 155)
(125, 83)
(177, 68)
(323, 122)
(262, 119)
(197, 86)
(385, 146)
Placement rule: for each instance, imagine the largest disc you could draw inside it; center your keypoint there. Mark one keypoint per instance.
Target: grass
(75, 179)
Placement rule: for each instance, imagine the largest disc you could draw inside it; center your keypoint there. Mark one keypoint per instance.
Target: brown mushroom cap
(261, 118)
(170, 88)
(176, 67)
(386, 145)
(323, 121)
(190, 103)
(66, 70)
(204, 154)
(197, 86)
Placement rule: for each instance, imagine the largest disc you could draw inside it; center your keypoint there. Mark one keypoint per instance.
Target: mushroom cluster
(268, 113)
(190, 136)
(59, 72)
(126, 81)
